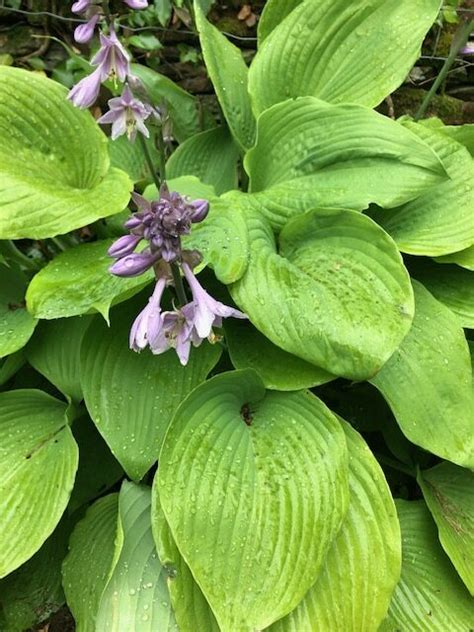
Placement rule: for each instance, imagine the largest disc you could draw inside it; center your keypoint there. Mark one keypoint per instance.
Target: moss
(450, 110)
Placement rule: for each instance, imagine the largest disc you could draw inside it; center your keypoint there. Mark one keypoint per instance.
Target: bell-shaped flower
(84, 32)
(177, 332)
(208, 312)
(85, 93)
(127, 115)
(148, 324)
(134, 264)
(112, 58)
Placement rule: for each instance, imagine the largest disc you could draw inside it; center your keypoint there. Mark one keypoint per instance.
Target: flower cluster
(161, 224)
(111, 62)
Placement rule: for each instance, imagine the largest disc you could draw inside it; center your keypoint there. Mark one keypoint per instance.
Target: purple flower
(84, 93)
(112, 58)
(207, 312)
(137, 4)
(177, 331)
(468, 49)
(124, 246)
(84, 32)
(134, 264)
(80, 6)
(147, 325)
(163, 222)
(126, 115)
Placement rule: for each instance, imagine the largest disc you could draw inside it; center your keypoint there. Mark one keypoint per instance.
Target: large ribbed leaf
(54, 165)
(33, 592)
(363, 565)
(428, 383)
(279, 370)
(430, 597)
(16, 324)
(338, 156)
(136, 596)
(254, 487)
(78, 282)
(229, 75)
(132, 396)
(211, 156)
(89, 561)
(463, 258)
(38, 462)
(452, 285)
(273, 13)
(449, 494)
(191, 609)
(440, 221)
(339, 51)
(54, 352)
(336, 294)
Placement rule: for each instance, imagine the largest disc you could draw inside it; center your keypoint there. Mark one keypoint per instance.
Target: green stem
(178, 284)
(460, 39)
(162, 152)
(149, 161)
(11, 252)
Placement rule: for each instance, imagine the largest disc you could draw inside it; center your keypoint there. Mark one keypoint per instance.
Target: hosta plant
(236, 375)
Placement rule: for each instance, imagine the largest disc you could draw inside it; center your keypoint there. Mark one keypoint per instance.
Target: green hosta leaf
(430, 596)
(191, 609)
(78, 282)
(182, 107)
(312, 154)
(185, 185)
(87, 566)
(279, 370)
(211, 156)
(229, 79)
(92, 481)
(440, 221)
(362, 567)
(463, 134)
(428, 383)
(451, 285)
(33, 593)
(10, 365)
(449, 494)
(254, 488)
(273, 13)
(339, 51)
(54, 352)
(136, 596)
(223, 239)
(464, 258)
(336, 294)
(38, 462)
(132, 397)
(129, 157)
(55, 170)
(16, 324)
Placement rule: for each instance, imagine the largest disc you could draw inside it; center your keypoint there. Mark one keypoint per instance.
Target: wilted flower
(207, 312)
(127, 114)
(84, 32)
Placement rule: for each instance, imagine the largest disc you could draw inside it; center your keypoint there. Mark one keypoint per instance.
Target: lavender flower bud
(84, 93)
(124, 246)
(137, 4)
(133, 264)
(84, 32)
(80, 6)
(201, 209)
